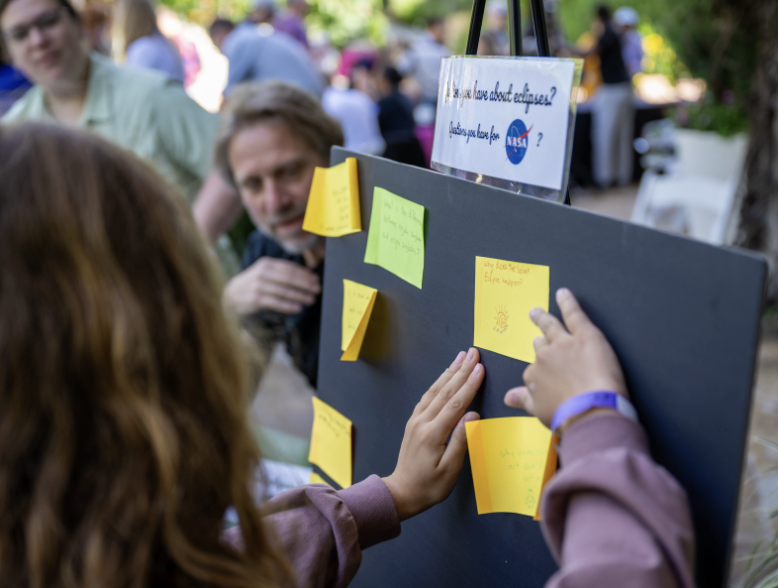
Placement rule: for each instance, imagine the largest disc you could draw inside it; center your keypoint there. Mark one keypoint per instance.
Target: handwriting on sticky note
(331, 442)
(510, 462)
(358, 301)
(333, 202)
(395, 240)
(505, 292)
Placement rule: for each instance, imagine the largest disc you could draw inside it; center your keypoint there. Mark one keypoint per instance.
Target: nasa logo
(517, 141)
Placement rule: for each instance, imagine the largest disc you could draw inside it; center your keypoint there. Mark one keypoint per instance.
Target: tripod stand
(514, 20)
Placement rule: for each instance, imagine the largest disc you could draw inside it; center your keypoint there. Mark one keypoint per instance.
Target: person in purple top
(292, 21)
(123, 396)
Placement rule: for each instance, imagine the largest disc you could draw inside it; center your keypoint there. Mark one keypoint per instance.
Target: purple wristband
(588, 400)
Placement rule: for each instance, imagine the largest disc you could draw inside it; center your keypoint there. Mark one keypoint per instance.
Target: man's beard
(305, 242)
(298, 247)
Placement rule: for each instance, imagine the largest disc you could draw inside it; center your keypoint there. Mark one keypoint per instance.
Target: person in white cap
(626, 20)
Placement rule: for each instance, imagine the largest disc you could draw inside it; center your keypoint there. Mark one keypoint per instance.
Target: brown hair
(253, 103)
(123, 393)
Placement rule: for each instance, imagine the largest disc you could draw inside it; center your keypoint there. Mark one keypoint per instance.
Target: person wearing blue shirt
(259, 53)
(13, 85)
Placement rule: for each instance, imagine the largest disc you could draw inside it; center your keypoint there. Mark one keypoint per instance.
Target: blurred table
(581, 163)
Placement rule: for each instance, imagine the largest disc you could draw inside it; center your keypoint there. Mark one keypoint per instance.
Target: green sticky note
(395, 240)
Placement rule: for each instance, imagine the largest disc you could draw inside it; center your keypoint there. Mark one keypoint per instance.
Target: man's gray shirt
(258, 53)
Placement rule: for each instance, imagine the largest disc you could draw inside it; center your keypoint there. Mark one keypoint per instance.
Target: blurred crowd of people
(384, 98)
(125, 72)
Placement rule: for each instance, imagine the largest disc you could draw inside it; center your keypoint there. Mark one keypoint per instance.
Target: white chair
(697, 197)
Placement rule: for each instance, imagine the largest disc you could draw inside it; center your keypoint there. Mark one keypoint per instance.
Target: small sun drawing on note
(501, 319)
(531, 502)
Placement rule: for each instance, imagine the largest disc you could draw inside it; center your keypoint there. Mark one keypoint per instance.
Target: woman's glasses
(43, 22)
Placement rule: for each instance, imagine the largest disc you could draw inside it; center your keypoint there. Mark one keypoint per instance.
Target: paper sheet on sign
(506, 118)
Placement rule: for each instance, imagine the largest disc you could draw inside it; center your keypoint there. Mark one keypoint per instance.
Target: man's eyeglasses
(43, 22)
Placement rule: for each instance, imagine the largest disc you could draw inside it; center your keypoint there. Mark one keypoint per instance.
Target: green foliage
(203, 12)
(658, 56)
(725, 119)
(347, 20)
(417, 11)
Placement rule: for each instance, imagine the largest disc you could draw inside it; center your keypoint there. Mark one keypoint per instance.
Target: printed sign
(506, 118)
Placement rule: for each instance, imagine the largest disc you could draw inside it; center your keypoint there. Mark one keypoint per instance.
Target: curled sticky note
(331, 443)
(358, 301)
(505, 292)
(333, 202)
(317, 479)
(510, 461)
(395, 239)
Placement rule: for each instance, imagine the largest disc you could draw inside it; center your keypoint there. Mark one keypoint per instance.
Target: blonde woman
(137, 41)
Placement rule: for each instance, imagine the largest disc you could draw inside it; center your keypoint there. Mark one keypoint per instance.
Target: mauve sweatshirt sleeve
(322, 532)
(612, 516)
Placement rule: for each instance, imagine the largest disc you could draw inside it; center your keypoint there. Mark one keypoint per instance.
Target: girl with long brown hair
(123, 397)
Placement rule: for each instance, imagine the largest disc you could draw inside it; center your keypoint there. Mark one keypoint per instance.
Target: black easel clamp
(514, 20)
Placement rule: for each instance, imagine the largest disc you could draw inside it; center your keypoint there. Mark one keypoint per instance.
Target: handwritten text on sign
(505, 118)
(395, 239)
(505, 292)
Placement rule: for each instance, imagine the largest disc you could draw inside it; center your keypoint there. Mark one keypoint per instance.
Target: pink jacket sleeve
(322, 532)
(612, 516)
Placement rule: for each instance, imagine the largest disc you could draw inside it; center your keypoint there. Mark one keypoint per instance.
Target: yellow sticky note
(551, 463)
(317, 479)
(331, 443)
(505, 292)
(509, 459)
(358, 301)
(333, 202)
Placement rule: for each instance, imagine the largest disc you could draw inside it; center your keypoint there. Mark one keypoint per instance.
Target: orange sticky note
(333, 202)
(505, 292)
(331, 443)
(358, 301)
(509, 458)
